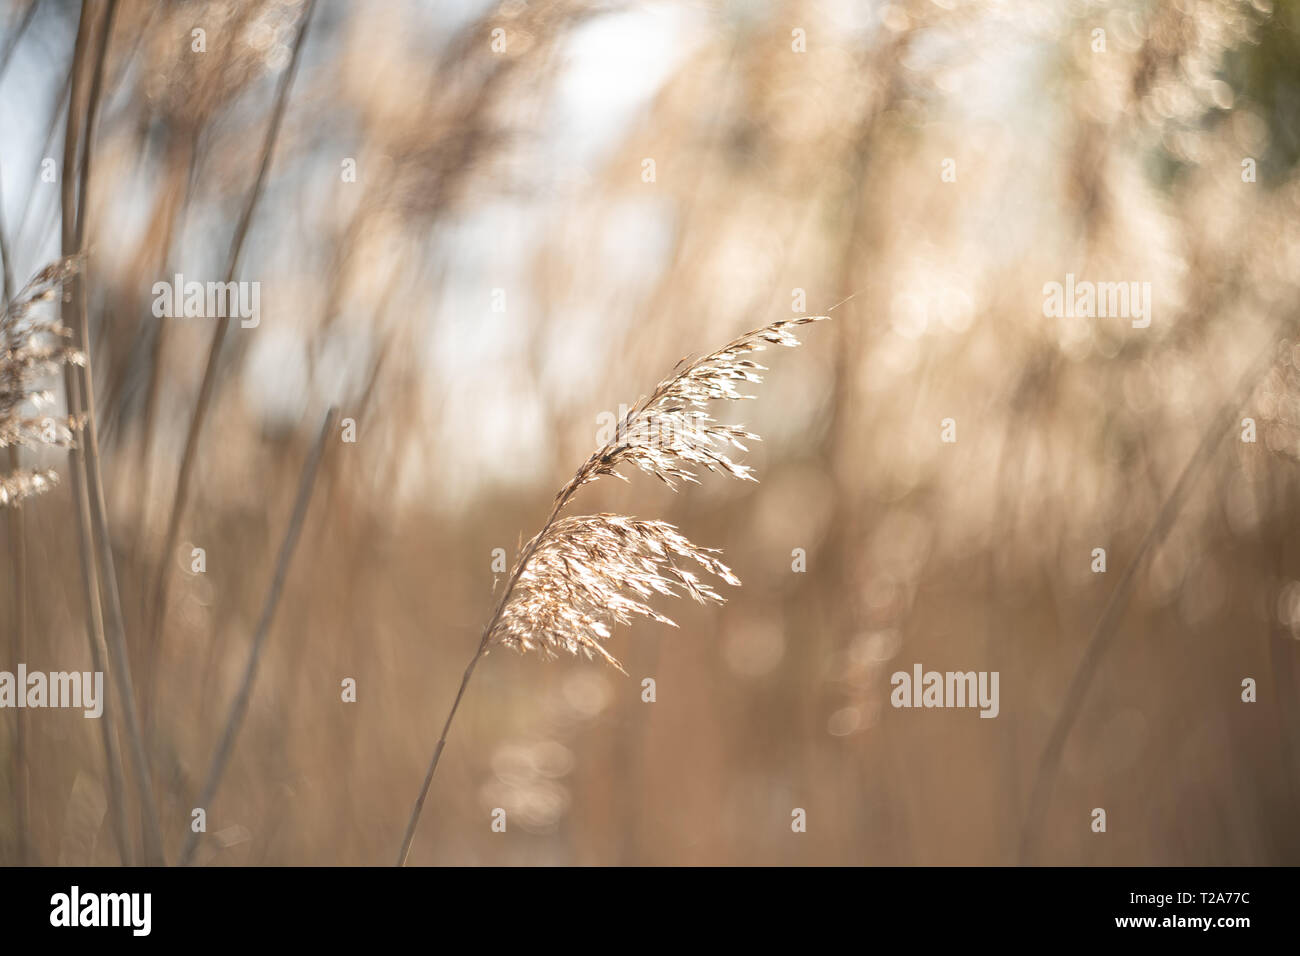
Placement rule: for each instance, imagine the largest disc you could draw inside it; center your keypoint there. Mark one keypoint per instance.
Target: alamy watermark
(1091, 300)
(129, 910)
(208, 300)
(681, 428)
(80, 689)
(947, 689)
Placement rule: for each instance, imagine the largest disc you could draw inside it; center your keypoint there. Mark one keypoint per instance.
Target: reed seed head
(581, 575)
(33, 346)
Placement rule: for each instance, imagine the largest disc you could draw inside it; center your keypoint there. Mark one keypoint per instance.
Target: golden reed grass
(582, 574)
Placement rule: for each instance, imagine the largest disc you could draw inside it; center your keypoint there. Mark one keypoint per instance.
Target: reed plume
(33, 346)
(580, 575)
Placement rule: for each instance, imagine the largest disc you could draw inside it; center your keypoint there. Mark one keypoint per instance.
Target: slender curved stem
(414, 821)
(108, 645)
(239, 707)
(1107, 626)
(208, 385)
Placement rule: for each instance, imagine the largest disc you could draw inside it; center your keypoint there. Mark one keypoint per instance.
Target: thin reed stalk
(18, 651)
(208, 385)
(24, 359)
(99, 656)
(18, 564)
(81, 404)
(239, 706)
(484, 639)
(1107, 626)
(16, 37)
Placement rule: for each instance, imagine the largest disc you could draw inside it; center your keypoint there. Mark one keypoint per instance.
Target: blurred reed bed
(501, 269)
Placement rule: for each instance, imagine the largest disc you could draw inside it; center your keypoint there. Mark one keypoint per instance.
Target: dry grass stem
(99, 572)
(239, 706)
(189, 457)
(1106, 629)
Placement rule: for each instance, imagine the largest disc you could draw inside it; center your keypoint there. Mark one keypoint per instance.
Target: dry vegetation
(498, 269)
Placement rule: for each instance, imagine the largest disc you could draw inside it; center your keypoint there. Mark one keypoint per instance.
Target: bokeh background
(798, 155)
